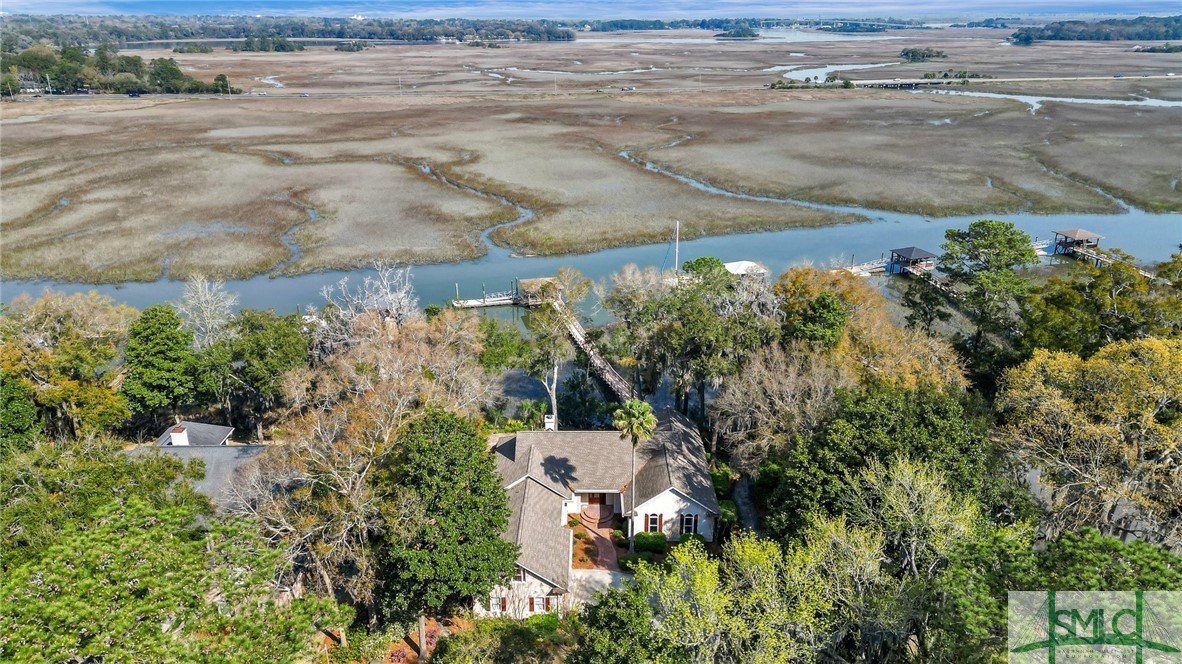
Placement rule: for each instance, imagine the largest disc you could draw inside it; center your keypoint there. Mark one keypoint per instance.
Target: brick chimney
(178, 436)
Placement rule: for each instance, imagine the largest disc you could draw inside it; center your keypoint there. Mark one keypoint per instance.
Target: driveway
(584, 583)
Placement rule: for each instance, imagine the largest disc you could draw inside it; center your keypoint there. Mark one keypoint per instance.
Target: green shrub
(721, 476)
(654, 542)
(692, 537)
(580, 535)
(573, 521)
(630, 562)
(619, 537)
(544, 624)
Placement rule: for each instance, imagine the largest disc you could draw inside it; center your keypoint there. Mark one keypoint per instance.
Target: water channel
(1149, 237)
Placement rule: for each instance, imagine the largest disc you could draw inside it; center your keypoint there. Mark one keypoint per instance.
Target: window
(494, 604)
(537, 604)
(654, 523)
(689, 524)
(519, 575)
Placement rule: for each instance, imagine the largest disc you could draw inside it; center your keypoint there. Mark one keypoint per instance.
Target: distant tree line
(23, 31)
(193, 48)
(1142, 27)
(921, 54)
(987, 23)
(72, 69)
(268, 45)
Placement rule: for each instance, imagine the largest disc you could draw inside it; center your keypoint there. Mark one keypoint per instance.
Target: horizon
(574, 11)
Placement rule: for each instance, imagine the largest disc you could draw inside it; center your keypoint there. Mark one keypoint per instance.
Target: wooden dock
(619, 386)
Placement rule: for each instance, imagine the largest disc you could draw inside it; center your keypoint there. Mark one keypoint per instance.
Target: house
(552, 475)
(210, 444)
(195, 434)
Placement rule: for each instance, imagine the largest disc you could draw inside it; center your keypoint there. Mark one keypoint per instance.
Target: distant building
(551, 475)
(195, 434)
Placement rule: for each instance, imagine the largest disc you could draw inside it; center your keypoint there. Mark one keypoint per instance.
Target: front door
(595, 499)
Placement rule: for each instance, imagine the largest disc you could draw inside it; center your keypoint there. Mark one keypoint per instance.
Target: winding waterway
(1149, 237)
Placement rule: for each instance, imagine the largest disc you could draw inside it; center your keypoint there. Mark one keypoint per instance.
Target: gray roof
(913, 253)
(542, 468)
(536, 527)
(675, 458)
(566, 461)
(1078, 234)
(199, 434)
(222, 463)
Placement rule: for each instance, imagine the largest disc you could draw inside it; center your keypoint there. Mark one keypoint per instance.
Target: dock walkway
(621, 387)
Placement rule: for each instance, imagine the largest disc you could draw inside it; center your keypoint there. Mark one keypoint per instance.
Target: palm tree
(635, 420)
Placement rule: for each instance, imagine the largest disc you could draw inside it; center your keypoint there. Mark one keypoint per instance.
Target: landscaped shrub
(629, 562)
(690, 537)
(720, 475)
(544, 624)
(573, 522)
(654, 542)
(581, 535)
(619, 537)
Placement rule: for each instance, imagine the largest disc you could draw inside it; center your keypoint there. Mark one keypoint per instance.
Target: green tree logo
(1097, 626)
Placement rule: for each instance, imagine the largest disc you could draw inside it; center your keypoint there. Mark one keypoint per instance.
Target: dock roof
(913, 253)
(1078, 234)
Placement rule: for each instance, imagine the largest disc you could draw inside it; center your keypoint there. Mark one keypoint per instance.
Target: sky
(571, 9)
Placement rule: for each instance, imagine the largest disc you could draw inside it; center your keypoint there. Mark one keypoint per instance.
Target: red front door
(595, 499)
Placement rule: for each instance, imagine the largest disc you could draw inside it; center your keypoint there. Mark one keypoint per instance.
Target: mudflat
(408, 153)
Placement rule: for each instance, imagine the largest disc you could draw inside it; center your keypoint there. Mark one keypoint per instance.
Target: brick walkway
(602, 536)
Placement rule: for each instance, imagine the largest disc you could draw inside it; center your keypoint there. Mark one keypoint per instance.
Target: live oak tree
(64, 349)
(1094, 306)
(455, 552)
(158, 361)
(983, 261)
(1105, 433)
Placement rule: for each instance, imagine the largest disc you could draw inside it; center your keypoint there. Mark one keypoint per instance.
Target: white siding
(671, 506)
(517, 596)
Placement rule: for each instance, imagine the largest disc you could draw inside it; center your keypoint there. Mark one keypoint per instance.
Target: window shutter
(645, 525)
(695, 523)
(504, 604)
(660, 523)
(546, 602)
(531, 605)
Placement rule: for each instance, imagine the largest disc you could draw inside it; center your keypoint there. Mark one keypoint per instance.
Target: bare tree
(386, 299)
(781, 393)
(207, 308)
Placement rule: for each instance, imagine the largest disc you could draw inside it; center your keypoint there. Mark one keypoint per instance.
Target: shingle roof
(566, 461)
(536, 527)
(543, 468)
(199, 434)
(913, 253)
(1078, 234)
(221, 463)
(675, 458)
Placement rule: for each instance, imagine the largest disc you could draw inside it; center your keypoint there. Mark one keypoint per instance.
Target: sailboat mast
(677, 247)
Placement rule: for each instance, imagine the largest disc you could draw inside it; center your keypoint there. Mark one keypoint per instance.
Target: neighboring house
(195, 434)
(551, 475)
(210, 443)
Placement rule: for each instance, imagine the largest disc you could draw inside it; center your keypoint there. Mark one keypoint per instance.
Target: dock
(1079, 243)
(525, 293)
(620, 387)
